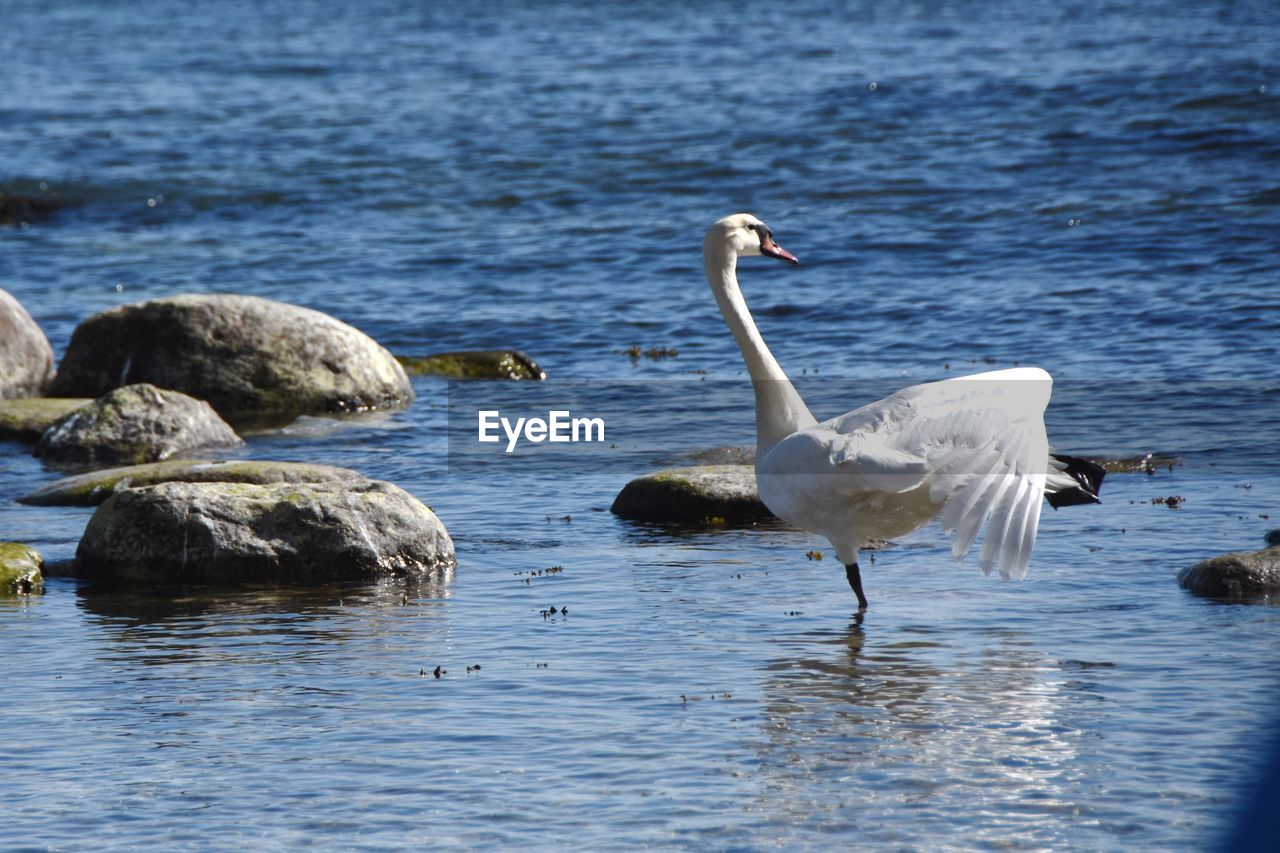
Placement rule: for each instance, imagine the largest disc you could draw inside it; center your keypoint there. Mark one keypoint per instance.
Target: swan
(970, 450)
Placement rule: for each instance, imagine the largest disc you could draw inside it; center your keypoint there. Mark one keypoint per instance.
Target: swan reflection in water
(854, 730)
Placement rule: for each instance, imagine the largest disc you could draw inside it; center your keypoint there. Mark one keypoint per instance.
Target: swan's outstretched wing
(980, 445)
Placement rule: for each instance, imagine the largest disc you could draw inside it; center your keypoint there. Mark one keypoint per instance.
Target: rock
(134, 424)
(20, 569)
(724, 455)
(17, 208)
(1145, 463)
(95, 487)
(693, 494)
(475, 364)
(26, 359)
(1241, 575)
(1273, 537)
(26, 418)
(219, 532)
(247, 356)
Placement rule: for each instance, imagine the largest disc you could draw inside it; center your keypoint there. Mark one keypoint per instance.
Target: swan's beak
(773, 250)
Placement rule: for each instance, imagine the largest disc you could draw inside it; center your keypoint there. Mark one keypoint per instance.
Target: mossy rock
(26, 418)
(95, 487)
(286, 532)
(133, 425)
(1240, 576)
(246, 355)
(20, 569)
(696, 494)
(475, 364)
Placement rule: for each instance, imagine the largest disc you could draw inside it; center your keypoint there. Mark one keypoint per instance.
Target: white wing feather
(978, 441)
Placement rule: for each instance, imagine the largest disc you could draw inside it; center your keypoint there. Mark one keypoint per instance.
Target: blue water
(1091, 187)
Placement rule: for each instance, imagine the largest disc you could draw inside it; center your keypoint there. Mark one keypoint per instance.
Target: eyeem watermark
(559, 426)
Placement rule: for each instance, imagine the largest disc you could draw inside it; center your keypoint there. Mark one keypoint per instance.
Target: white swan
(971, 449)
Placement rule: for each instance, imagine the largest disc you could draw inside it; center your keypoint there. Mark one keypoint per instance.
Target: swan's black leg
(855, 583)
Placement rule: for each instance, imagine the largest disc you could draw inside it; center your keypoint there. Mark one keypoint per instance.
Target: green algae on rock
(20, 569)
(693, 494)
(244, 354)
(475, 364)
(26, 418)
(1243, 575)
(132, 425)
(95, 487)
(295, 532)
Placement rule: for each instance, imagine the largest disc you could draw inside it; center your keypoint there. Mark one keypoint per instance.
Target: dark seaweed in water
(18, 209)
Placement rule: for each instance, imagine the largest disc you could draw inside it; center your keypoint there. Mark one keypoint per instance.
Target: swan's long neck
(779, 409)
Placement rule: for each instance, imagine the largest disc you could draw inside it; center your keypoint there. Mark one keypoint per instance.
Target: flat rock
(26, 359)
(26, 418)
(1244, 575)
(693, 494)
(1142, 463)
(95, 487)
(475, 364)
(134, 424)
(20, 569)
(246, 355)
(298, 532)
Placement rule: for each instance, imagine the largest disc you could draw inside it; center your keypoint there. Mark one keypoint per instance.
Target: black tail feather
(1088, 474)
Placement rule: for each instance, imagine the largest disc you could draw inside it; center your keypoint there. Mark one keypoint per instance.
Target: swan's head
(744, 234)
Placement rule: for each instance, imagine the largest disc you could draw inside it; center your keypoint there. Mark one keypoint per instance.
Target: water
(1090, 187)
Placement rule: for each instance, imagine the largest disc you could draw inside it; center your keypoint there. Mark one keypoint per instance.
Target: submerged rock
(724, 455)
(210, 532)
(26, 359)
(246, 355)
(1240, 575)
(475, 364)
(26, 418)
(134, 424)
(1143, 463)
(95, 487)
(693, 494)
(19, 208)
(20, 569)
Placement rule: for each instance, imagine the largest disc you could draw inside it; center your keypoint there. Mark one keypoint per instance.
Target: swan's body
(972, 450)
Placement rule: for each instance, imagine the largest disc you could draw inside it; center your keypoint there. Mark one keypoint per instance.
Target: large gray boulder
(213, 532)
(246, 355)
(1242, 575)
(26, 359)
(132, 425)
(94, 487)
(693, 494)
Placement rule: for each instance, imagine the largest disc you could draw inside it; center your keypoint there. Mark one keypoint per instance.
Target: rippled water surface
(1091, 187)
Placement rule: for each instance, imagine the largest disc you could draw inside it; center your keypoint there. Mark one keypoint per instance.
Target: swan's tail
(1073, 481)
